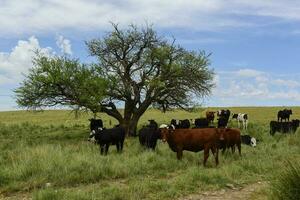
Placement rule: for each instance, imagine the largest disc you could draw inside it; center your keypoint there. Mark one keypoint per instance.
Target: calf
(243, 118)
(201, 123)
(106, 137)
(232, 138)
(284, 114)
(248, 140)
(193, 140)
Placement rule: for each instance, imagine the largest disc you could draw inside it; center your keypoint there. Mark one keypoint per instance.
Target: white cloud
(249, 73)
(64, 45)
(286, 83)
(13, 64)
(35, 16)
(249, 86)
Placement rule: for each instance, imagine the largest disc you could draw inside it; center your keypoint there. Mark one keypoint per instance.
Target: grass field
(45, 155)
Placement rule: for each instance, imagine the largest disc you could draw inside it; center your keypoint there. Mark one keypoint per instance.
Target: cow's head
(253, 142)
(220, 134)
(165, 130)
(290, 112)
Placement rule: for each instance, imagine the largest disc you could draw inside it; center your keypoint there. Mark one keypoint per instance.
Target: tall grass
(287, 184)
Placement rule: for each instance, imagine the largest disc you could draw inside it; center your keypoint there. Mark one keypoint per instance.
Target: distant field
(45, 155)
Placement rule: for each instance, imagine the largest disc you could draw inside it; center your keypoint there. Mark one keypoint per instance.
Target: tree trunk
(130, 126)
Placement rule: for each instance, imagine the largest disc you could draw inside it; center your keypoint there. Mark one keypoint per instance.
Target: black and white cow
(241, 118)
(223, 119)
(248, 140)
(107, 137)
(95, 124)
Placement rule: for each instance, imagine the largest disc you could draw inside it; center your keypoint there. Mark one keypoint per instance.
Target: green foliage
(61, 81)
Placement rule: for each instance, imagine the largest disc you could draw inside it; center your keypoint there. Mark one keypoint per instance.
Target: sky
(255, 44)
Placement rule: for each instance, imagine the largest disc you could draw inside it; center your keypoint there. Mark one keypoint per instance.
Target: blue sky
(255, 45)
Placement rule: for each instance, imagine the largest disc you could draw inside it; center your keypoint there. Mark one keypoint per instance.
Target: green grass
(51, 147)
(287, 185)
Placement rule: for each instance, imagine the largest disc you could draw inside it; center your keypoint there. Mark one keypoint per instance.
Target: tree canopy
(134, 66)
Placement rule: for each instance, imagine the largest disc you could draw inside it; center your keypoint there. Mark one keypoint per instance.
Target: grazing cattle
(248, 140)
(210, 116)
(241, 118)
(232, 138)
(106, 137)
(201, 123)
(284, 114)
(149, 135)
(284, 127)
(95, 124)
(193, 140)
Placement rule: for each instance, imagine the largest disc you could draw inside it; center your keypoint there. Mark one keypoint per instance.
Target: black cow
(201, 123)
(284, 127)
(95, 124)
(248, 140)
(153, 124)
(149, 135)
(106, 137)
(184, 123)
(284, 114)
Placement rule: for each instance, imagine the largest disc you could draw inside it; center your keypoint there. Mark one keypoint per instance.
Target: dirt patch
(247, 192)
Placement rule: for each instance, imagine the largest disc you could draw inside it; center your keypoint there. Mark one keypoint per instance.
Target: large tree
(135, 68)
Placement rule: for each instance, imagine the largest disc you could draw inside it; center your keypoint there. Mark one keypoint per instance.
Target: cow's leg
(239, 148)
(179, 154)
(206, 155)
(106, 148)
(215, 152)
(118, 147)
(122, 142)
(101, 149)
(232, 149)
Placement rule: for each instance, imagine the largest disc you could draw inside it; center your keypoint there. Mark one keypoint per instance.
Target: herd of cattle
(191, 135)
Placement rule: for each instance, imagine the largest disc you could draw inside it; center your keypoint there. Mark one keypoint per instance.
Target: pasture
(45, 155)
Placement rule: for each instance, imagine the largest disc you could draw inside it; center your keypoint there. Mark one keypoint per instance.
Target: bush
(287, 185)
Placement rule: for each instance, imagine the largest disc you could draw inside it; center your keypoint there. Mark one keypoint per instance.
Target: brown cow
(193, 140)
(232, 138)
(210, 116)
